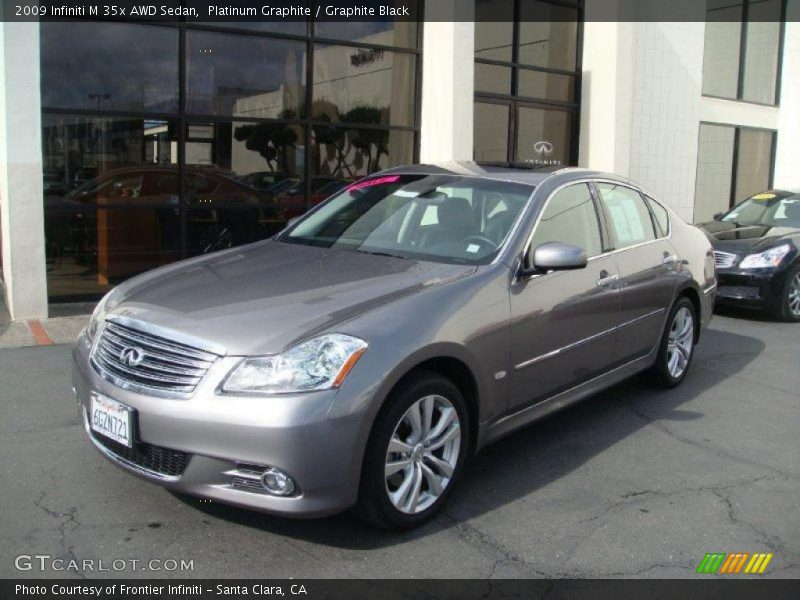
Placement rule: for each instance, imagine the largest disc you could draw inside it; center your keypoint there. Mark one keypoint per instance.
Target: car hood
(262, 298)
(743, 239)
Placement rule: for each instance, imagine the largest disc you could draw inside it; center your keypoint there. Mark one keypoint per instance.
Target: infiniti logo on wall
(132, 357)
(543, 148)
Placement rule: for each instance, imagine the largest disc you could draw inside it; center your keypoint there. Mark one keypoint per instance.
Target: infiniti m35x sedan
(361, 356)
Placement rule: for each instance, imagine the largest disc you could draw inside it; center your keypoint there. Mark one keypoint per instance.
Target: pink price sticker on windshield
(371, 182)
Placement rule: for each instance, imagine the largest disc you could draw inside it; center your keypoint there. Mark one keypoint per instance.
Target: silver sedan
(364, 354)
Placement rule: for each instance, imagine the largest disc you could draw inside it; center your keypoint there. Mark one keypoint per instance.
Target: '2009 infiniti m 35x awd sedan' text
(361, 356)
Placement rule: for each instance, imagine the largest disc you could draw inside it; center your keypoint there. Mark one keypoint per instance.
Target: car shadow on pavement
(748, 314)
(534, 457)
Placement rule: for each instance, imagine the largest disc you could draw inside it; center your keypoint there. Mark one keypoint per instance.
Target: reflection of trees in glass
(351, 149)
(275, 142)
(371, 143)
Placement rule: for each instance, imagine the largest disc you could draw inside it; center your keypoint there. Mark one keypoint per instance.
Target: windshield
(766, 209)
(440, 218)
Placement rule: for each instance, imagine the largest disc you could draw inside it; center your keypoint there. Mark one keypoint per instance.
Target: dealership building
(126, 145)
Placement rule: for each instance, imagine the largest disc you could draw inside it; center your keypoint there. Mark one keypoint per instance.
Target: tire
(788, 306)
(415, 459)
(669, 371)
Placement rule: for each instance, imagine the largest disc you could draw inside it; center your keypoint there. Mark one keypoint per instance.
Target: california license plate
(111, 419)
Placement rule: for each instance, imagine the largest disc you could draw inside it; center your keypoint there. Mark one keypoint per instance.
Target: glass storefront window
(733, 27)
(241, 182)
(544, 136)
(244, 76)
(753, 163)
(348, 154)
(492, 78)
(360, 85)
(550, 86)
(761, 60)
(111, 200)
(116, 66)
(494, 29)
(548, 35)
(400, 34)
(288, 27)
(491, 140)
(228, 165)
(526, 54)
(733, 163)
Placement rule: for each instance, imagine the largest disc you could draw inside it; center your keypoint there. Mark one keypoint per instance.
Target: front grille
(724, 260)
(153, 458)
(744, 292)
(165, 365)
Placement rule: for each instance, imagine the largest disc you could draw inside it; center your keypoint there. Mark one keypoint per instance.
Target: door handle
(606, 279)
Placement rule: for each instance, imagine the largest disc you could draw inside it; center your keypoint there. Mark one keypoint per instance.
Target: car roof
(526, 174)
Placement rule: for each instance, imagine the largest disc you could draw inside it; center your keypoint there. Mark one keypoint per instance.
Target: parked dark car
(361, 356)
(757, 252)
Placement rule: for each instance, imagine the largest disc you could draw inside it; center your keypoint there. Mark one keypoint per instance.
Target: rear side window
(570, 217)
(660, 215)
(629, 217)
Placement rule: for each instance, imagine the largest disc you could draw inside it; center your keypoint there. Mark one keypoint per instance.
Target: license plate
(112, 419)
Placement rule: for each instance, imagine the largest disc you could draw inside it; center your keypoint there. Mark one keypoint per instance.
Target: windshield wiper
(379, 253)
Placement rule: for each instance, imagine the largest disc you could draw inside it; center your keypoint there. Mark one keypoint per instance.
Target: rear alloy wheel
(415, 453)
(789, 307)
(676, 348)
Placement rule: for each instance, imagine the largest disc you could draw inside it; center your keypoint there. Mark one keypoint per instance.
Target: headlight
(317, 364)
(768, 258)
(98, 316)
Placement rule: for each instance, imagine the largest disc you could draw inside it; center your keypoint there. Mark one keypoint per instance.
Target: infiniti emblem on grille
(132, 357)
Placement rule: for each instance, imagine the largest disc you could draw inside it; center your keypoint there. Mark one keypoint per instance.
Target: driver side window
(570, 217)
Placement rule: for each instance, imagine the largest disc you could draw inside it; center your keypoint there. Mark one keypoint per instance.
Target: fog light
(277, 482)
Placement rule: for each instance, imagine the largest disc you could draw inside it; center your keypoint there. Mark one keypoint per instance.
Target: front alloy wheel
(422, 454)
(789, 306)
(794, 296)
(415, 453)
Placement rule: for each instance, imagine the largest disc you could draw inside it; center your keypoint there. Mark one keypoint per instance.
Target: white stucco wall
(607, 93)
(787, 160)
(446, 129)
(641, 90)
(21, 211)
(666, 92)
(642, 101)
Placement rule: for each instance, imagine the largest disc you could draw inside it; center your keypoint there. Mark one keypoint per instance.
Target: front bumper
(753, 289)
(228, 437)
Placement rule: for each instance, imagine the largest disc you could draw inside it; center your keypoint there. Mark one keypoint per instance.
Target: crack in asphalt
(713, 489)
(68, 519)
(770, 541)
(609, 574)
(500, 555)
(655, 421)
(504, 557)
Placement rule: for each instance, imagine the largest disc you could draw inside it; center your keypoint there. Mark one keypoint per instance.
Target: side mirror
(555, 256)
(292, 221)
(718, 216)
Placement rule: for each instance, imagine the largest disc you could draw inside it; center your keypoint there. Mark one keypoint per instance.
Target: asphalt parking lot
(634, 482)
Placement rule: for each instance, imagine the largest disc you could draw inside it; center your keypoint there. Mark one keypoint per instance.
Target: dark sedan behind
(757, 252)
